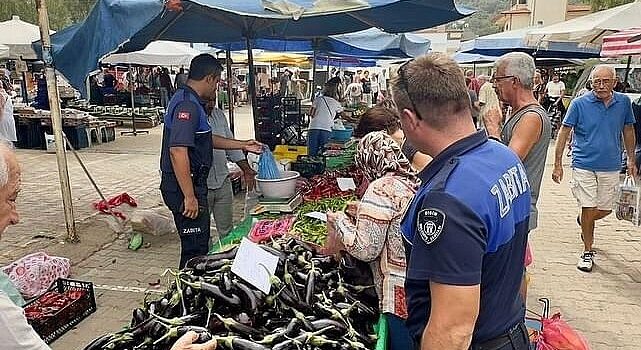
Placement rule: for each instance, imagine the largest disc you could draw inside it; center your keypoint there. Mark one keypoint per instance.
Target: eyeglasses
(402, 79)
(501, 77)
(598, 82)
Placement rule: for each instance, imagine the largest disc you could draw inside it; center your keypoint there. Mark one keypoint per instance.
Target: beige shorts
(595, 189)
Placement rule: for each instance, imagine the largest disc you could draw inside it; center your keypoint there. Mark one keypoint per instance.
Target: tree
(62, 13)
(598, 5)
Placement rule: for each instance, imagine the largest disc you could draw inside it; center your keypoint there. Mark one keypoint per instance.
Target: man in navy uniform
(186, 156)
(466, 230)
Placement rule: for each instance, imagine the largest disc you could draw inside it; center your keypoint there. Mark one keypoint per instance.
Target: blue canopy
(463, 58)
(514, 40)
(370, 43)
(129, 25)
(344, 62)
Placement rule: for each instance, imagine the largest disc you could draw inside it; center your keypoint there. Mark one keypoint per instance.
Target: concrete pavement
(604, 305)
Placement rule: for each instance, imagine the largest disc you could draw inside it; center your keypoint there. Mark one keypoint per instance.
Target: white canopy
(18, 36)
(591, 28)
(4, 51)
(157, 53)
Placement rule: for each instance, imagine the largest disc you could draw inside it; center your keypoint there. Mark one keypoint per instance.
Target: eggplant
(98, 343)
(246, 293)
(235, 326)
(229, 254)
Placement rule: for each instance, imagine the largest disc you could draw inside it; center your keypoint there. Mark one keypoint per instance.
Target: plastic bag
(558, 335)
(10, 290)
(529, 258)
(627, 203)
(33, 274)
(268, 169)
(158, 221)
(338, 125)
(251, 201)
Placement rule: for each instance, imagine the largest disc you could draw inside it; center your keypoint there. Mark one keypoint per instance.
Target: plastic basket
(52, 328)
(308, 166)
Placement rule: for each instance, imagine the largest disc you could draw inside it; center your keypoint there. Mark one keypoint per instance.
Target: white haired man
(15, 332)
(598, 119)
(527, 131)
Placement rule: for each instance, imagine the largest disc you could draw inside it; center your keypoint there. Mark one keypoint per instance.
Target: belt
(516, 335)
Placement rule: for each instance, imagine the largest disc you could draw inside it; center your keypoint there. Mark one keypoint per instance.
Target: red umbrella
(622, 43)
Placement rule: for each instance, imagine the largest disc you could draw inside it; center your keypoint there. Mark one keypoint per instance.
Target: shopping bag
(558, 335)
(627, 203)
(33, 274)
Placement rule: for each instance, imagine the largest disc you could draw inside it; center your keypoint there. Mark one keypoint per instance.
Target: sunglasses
(402, 79)
(501, 77)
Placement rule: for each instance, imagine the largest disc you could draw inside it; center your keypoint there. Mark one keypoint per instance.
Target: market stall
(34, 130)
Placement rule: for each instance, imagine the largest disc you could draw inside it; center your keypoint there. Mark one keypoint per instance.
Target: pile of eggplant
(310, 306)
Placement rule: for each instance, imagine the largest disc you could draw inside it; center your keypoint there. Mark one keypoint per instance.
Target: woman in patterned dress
(370, 230)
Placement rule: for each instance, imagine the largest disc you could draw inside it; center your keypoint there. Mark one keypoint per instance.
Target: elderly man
(465, 245)
(598, 119)
(527, 131)
(15, 332)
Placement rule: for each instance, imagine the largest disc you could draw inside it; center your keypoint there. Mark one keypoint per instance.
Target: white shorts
(595, 189)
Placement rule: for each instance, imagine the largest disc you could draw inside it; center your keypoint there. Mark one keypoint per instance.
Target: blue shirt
(186, 125)
(468, 226)
(598, 129)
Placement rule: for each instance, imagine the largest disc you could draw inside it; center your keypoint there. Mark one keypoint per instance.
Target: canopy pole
(314, 73)
(252, 81)
(132, 87)
(230, 85)
(627, 73)
(56, 121)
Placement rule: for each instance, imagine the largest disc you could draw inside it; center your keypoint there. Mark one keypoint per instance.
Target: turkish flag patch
(184, 115)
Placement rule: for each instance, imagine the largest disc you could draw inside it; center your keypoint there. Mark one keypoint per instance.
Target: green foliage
(482, 22)
(61, 12)
(598, 5)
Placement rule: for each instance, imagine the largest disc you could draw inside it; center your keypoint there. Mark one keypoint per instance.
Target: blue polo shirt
(597, 142)
(186, 125)
(468, 226)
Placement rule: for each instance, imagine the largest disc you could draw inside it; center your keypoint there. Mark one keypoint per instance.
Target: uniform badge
(184, 115)
(429, 224)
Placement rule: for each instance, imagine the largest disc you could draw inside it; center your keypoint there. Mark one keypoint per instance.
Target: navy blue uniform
(186, 125)
(467, 226)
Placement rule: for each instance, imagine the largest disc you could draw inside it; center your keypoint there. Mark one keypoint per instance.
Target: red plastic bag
(558, 335)
(529, 258)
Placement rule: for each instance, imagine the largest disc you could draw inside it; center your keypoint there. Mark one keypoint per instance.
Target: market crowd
(448, 259)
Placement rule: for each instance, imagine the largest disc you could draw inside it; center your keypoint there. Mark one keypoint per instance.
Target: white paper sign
(254, 265)
(317, 215)
(346, 183)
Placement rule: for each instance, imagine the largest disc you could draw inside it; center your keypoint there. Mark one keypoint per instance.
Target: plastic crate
(289, 152)
(55, 326)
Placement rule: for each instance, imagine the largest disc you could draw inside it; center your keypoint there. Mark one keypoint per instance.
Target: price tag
(317, 215)
(346, 183)
(254, 265)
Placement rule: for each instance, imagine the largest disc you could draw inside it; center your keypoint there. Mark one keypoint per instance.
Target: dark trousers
(516, 339)
(316, 140)
(399, 335)
(194, 233)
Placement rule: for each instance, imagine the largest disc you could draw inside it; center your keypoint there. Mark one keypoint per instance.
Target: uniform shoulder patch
(184, 115)
(429, 224)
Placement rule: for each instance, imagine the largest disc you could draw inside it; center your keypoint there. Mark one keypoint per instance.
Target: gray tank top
(535, 161)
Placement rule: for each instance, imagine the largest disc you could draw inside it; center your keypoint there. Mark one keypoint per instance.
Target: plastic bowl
(342, 135)
(283, 188)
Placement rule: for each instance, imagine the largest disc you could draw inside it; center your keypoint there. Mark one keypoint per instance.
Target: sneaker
(586, 261)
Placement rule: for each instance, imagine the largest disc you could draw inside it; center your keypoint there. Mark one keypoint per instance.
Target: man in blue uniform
(465, 232)
(186, 155)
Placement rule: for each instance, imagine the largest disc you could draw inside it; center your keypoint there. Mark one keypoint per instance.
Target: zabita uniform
(468, 226)
(185, 125)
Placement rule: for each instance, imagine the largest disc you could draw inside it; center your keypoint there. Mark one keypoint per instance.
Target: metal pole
(230, 86)
(56, 121)
(627, 73)
(252, 81)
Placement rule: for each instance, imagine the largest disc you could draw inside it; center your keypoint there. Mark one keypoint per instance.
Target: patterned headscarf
(378, 154)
